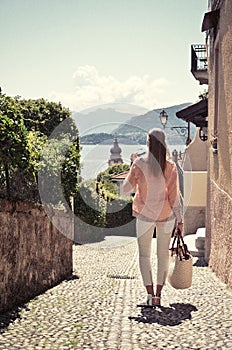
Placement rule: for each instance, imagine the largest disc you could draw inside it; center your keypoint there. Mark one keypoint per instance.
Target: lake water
(94, 158)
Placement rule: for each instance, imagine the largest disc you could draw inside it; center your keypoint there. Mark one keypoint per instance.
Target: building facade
(217, 25)
(211, 63)
(194, 167)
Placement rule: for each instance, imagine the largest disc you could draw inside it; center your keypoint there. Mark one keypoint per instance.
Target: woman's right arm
(130, 181)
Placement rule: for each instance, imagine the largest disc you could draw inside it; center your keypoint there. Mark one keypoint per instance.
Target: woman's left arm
(173, 194)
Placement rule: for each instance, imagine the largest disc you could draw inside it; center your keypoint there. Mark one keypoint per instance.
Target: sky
(85, 53)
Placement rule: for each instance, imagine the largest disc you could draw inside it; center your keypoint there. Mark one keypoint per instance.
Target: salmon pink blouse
(156, 197)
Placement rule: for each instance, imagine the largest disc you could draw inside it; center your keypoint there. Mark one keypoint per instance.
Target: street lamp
(163, 118)
(181, 130)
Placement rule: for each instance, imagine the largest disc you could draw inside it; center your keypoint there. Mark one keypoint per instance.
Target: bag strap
(173, 248)
(181, 249)
(184, 246)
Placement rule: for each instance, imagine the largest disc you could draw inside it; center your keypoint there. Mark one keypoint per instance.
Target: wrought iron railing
(214, 4)
(198, 58)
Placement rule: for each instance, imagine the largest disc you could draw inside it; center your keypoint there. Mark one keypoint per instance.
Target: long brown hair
(157, 151)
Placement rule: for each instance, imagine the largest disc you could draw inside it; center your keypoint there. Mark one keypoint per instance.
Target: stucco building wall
(195, 158)
(219, 208)
(195, 184)
(194, 166)
(220, 239)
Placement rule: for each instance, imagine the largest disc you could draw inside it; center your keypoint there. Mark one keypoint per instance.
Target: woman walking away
(156, 204)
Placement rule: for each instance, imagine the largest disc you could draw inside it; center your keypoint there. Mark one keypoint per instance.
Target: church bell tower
(115, 153)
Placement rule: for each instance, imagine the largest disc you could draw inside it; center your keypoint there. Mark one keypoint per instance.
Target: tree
(25, 128)
(42, 115)
(14, 154)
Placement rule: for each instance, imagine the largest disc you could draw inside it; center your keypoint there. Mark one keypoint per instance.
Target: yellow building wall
(192, 160)
(195, 186)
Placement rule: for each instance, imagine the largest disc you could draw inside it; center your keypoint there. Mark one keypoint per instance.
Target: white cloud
(93, 89)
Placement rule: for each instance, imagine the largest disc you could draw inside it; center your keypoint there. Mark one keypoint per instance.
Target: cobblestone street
(96, 309)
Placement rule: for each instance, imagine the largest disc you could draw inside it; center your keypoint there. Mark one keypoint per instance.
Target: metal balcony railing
(199, 64)
(199, 58)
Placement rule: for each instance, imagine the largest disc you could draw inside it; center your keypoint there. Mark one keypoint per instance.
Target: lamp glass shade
(163, 117)
(203, 133)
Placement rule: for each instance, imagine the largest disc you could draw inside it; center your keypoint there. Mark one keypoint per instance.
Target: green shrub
(100, 210)
(111, 171)
(16, 175)
(106, 187)
(25, 127)
(119, 212)
(90, 209)
(118, 209)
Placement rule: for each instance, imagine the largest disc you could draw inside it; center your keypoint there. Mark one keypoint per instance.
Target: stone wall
(194, 218)
(218, 234)
(34, 255)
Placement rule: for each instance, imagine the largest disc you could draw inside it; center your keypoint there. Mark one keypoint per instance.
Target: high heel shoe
(157, 300)
(149, 301)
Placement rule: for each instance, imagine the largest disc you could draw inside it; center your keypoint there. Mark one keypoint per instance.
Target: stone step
(200, 238)
(190, 240)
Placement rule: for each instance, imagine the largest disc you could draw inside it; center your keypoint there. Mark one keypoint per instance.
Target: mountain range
(100, 120)
(112, 120)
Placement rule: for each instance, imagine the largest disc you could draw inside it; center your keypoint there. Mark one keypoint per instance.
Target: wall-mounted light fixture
(214, 144)
(203, 133)
(181, 130)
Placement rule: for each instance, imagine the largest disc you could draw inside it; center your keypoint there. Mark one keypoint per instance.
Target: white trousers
(145, 232)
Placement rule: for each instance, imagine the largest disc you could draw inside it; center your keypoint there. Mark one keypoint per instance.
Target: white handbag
(181, 266)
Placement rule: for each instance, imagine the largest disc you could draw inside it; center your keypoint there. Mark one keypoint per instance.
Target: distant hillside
(107, 139)
(143, 123)
(105, 118)
(101, 120)
(118, 107)
(100, 125)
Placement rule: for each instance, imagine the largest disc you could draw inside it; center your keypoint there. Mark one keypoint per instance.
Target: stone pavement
(96, 309)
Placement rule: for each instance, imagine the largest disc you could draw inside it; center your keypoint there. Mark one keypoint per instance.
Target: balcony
(199, 65)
